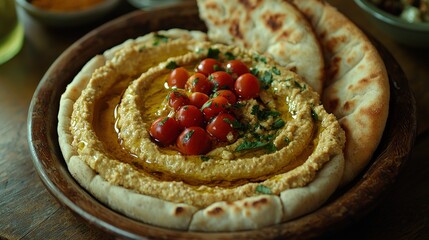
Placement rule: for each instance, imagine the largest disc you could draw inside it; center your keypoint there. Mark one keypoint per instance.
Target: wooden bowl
(347, 205)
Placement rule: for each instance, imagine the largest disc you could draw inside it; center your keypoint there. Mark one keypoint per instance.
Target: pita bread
(273, 27)
(248, 213)
(358, 88)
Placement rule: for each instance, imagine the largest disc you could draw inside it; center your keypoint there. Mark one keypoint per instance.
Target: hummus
(111, 120)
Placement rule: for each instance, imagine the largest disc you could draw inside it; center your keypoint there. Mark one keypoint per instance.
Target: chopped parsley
(254, 71)
(205, 158)
(194, 83)
(234, 124)
(238, 105)
(159, 38)
(260, 58)
(314, 115)
(213, 53)
(171, 65)
(262, 189)
(207, 104)
(279, 123)
(275, 71)
(247, 145)
(287, 140)
(263, 114)
(266, 79)
(188, 136)
(216, 68)
(163, 121)
(229, 56)
(301, 87)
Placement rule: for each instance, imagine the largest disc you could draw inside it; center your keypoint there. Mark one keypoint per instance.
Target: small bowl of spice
(405, 21)
(67, 13)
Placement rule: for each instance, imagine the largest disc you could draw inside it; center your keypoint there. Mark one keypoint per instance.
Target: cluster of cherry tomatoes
(202, 103)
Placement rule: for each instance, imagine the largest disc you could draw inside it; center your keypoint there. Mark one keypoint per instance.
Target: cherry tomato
(177, 99)
(208, 66)
(214, 106)
(165, 130)
(236, 68)
(198, 99)
(247, 86)
(199, 83)
(194, 141)
(228, 94)
(178, 78)
(221, 127)
(189, 116)
(221, 80)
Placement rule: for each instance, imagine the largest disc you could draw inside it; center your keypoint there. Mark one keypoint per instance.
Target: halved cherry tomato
(190, 116)
(198, 99)
(236, 68)
(247, 86)
(177, 98)
(214, 106)
(178, 78)
(221, 80)
(165, 130)
(221, 127)
(208, 66)
(228, 94)
(199, 83)
(194, 141)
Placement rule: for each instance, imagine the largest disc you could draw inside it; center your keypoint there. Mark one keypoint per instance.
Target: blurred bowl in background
(410, 34)
(152, 3)
(69, 18)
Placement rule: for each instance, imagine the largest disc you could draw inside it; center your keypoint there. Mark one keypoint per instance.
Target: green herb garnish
(260, 58)
(188, 136)
(275, 71)
(279, 123)
(171, 65)
(216, 68)
(234, 124)
(213, 53)
(238, 105)
(163, 121)
(205, 158)
(246, 145)
(254, 71)
(263, 114)
(314, 115)
(229, 56)
(159, 38)
(266, 79)
(262, 189)
(207, 104)
(301, 87)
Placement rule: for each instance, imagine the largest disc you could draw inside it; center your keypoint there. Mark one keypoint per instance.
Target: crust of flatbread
(249, 213)
(273, 27)
(357, 91)
(299, 201)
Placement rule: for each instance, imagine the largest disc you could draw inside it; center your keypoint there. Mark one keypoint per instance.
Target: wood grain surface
(29, 211)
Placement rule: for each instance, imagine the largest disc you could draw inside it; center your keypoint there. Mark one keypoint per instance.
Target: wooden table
(28, 211)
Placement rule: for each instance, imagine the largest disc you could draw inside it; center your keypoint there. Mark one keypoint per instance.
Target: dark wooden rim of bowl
(345, 207)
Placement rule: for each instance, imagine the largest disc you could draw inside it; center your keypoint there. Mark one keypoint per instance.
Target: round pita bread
(248, 213)
(357, 91)
(273, 27)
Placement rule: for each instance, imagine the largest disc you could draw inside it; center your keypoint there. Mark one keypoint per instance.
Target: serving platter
(344, 207)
